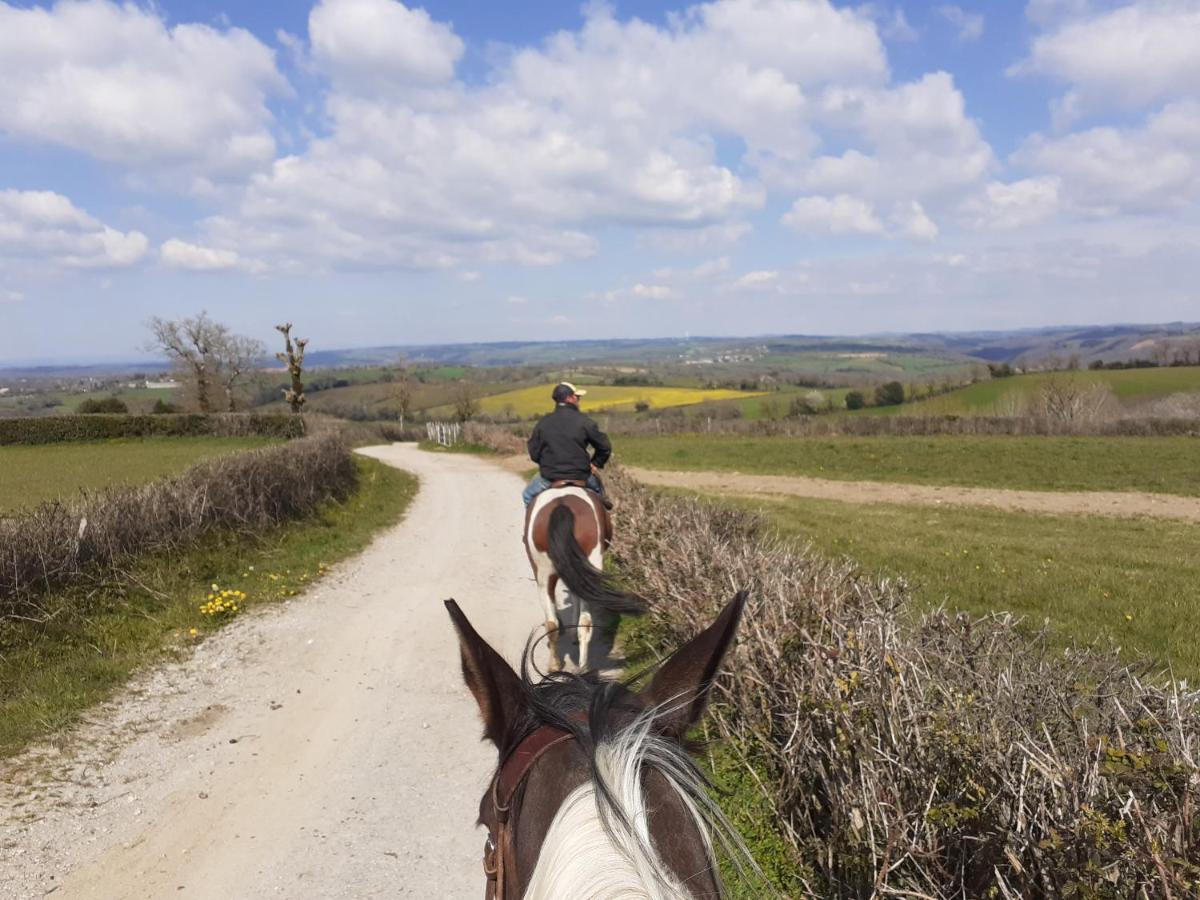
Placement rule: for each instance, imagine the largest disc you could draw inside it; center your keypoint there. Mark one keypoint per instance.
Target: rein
(498, 852)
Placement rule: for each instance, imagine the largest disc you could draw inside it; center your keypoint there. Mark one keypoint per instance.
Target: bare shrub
(1174, 406)
(497, 437)
(925, 756)
(1073, 404)
(60, 542)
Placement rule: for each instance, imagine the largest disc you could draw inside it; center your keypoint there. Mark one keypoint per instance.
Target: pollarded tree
(293, 358)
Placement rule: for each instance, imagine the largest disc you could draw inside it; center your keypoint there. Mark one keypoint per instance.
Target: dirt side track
(1092, 503)
(325, 748)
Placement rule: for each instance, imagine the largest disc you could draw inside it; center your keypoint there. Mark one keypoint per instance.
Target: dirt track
(325, 748)
(1098, 503)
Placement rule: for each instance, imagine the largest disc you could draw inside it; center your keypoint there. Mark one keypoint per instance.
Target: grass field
(1136, 582)
(1007, 395)
(534, 400)
(51, 471)
(1156, 465)
(51, 671)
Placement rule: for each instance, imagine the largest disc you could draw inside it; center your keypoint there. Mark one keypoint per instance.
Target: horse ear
(681, 686)
(496, 687)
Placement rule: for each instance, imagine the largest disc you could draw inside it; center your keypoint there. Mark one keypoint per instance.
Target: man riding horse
(559, 445)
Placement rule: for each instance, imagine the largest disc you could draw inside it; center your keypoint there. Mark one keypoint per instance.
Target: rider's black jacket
(559, 445)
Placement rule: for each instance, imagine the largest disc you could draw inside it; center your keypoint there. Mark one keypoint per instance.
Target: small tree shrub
(890, 394)
(93, 405)
(855, 400)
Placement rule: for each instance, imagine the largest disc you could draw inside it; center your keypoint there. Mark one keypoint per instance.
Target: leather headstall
(498, 851)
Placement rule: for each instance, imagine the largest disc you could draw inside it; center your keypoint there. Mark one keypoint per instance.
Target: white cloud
(1016, 204)
(969, 25)
(892, 22)
(911, 221)
(842, 214)
(115, 82)
(9, 296)
(1109, 171)
(652, 291)
(1121, 58)
(642, 291)
(182, 255)
(382, 44)
(756, 281)
(43, 225)
(518, 301)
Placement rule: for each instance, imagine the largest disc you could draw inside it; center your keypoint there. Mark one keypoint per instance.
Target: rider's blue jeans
(540, 484)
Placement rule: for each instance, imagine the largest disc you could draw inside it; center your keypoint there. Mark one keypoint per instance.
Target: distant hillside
(926, 351)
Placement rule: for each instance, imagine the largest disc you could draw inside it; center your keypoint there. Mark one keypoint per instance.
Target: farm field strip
(32, 474)
(1096, 503)
(1134, 582)
(1151, 465)
(530, 401)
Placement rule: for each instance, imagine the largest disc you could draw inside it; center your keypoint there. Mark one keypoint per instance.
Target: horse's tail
(577, 572)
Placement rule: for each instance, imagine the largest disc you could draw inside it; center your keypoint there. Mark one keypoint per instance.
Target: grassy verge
(1158, 465)
(51, 471)
(1131, 581)
(51, 672)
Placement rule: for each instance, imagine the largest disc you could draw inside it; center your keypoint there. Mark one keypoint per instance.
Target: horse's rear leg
(546, 588)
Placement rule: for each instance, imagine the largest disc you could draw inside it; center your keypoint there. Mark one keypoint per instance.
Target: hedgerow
(933, 756)
(58, 429)
(89, 537)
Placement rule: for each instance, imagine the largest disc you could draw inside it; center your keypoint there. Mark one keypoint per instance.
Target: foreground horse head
(596, 795)
(566, 532)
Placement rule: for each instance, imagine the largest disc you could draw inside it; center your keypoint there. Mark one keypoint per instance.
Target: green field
(1007, 396)
(531, 401)
(1157, 465)
(139, 400)
(51, 471)
(1134, 581)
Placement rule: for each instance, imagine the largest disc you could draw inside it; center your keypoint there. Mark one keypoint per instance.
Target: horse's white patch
(581, 858)
(543, 567)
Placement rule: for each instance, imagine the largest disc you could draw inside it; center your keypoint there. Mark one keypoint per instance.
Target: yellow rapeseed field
(530, 401)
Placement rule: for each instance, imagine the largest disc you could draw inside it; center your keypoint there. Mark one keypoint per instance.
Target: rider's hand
(595, 469)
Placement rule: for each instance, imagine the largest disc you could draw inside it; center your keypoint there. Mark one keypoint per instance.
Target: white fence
(445, 433)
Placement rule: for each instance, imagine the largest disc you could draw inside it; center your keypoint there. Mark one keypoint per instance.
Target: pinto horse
(567, 530)
(595, 795)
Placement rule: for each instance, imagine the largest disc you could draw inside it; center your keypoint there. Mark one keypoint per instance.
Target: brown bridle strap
(497, 852)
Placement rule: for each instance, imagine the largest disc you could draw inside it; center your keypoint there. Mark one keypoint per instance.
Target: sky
(382, 173)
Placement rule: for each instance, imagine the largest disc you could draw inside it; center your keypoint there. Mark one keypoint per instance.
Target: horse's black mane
(586, 705)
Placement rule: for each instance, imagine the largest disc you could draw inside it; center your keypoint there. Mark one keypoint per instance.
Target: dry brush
(70, 542)
(925, 756)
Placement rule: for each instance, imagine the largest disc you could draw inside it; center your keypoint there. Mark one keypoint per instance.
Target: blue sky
(458, 171)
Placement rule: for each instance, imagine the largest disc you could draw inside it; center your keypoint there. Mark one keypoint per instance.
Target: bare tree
(293, 358)
(190, 344)
(237, 358)
(209, 356)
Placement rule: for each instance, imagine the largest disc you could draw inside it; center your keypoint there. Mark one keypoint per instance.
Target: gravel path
(1093, 503)
(324, 748)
